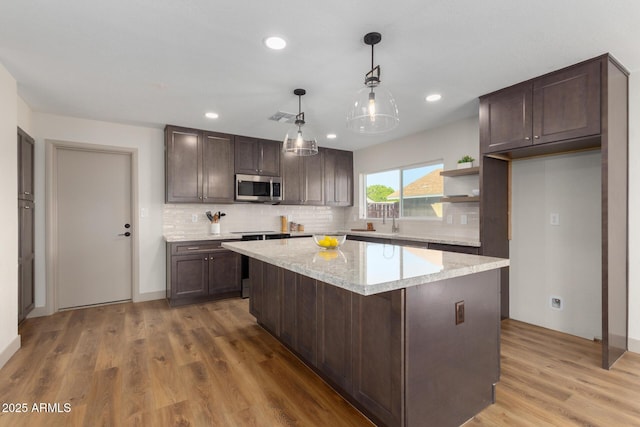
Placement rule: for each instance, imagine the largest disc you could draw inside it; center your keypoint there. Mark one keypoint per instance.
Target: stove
(255, 235)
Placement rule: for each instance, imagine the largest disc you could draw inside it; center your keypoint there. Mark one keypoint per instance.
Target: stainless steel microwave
(258, 188)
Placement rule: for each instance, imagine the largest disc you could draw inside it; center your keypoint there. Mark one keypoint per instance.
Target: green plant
(466, 159)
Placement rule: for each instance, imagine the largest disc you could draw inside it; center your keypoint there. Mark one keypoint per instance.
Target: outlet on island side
(459, 312)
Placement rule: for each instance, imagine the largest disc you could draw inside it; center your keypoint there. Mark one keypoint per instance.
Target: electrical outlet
(194, 218)
(144, 212)
(449, 219)
(459, 312)
(554, 218)
(463, 219)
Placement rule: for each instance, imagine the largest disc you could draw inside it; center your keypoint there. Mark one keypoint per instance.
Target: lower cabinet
(354, 342)
(201, 271)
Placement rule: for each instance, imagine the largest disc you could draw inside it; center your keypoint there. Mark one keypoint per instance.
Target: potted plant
(465, 162)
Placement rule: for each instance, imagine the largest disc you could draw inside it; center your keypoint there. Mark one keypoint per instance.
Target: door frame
(51, 217)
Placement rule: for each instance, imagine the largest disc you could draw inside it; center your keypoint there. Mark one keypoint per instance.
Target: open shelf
(460, 199)
(461, 172)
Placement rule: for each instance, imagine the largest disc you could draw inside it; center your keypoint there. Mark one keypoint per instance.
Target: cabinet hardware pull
(194, 248)
(26, 193)
(526, 138)
(536, 137)
(206, 259)
(27, 207)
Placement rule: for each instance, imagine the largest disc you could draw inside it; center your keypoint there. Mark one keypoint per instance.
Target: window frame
(363, 190)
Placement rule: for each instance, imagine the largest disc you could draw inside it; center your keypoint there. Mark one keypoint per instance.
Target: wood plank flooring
(211, 365)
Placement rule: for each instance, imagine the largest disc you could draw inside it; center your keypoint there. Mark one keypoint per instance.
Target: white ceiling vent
(282, 117)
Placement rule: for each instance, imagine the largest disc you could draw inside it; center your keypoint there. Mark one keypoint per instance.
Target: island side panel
(451, 368)
(378, 355)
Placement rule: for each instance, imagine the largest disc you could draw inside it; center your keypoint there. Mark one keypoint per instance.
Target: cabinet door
(292, 179)
(306, 318)
(246, 155)
(269, 158)
(334, 334)
(218, 168)
(26, 291)
(224, 272)
(378, 354)
(505, 119)
(183, 165)
(272, 296)
(566, 104)
(189, 275)
(314, 179)
(25, 165)
(257, 289)
(289, 309)
(338, 177)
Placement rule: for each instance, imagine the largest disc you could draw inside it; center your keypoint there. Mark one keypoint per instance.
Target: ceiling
(157, 62)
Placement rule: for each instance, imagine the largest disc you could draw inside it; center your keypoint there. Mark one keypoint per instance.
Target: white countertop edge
(486, 264)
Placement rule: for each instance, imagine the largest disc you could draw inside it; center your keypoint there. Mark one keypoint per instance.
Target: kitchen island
(409, 336)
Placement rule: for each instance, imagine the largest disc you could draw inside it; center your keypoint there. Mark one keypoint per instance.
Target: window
(411, 192)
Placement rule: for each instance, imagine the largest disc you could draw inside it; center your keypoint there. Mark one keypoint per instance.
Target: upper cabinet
(303, 179)
(559, 106)
(25, 166)
(198, 166)
(338, 177)
(257, 156)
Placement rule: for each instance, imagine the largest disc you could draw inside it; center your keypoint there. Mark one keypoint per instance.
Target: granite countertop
(447, 240)
(366, 268)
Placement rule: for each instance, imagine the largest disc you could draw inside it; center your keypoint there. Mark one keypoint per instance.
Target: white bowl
(329, 241)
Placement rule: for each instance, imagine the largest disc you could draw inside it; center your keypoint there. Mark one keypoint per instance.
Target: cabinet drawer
(195, 247)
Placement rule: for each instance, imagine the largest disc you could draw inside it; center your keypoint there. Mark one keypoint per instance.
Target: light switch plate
(554, 218)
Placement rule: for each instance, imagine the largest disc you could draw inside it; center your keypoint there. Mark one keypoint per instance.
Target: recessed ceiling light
(331, 136)
(211, 115)
(434, 97)
(275, 43)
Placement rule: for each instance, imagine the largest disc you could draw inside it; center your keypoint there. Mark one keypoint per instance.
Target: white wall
(634, 212)
(9, 339)
(448, 143)
(150, 145)
(557, 260)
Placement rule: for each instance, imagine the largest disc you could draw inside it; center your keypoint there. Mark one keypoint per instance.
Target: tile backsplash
(178, 218)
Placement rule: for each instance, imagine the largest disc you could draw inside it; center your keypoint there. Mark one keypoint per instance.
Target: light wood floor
(209, 364)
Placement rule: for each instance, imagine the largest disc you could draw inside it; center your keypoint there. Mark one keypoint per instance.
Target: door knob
(126, 234)
(127, 225)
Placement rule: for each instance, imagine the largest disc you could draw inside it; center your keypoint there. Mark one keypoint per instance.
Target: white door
(93, 191)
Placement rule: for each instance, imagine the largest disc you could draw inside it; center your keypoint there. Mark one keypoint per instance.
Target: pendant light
(374, 109)
(298, 141)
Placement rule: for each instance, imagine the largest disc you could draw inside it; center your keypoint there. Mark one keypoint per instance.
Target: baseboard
(9, 351)
(150, 296)
(634, 345)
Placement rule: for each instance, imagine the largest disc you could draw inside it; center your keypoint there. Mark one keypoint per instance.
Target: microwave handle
(270, 188)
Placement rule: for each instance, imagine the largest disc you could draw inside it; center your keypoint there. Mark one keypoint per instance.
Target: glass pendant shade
(373, 111)
(300, 141)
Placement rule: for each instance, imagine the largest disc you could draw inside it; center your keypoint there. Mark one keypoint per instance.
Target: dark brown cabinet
(378, 354)
(26, 225)
(200, 271)
(26, 146)
(199, 166)
(303, 179)
(334, 334)
(26, 259)
(257, 156)
(584, 106)
(556, 107)
(338, 177)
